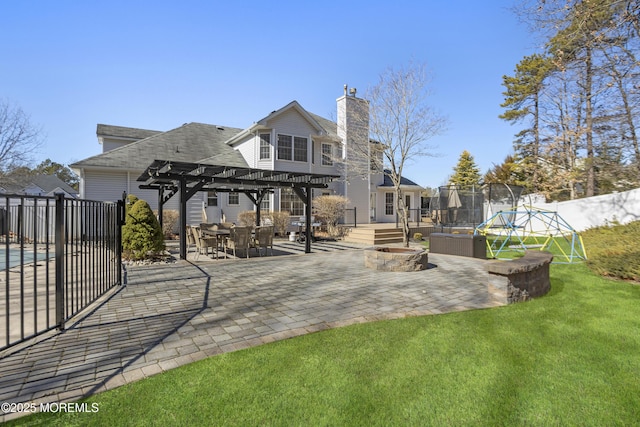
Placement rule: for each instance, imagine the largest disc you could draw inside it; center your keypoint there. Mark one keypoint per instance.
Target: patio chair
(202, 244)
(239, 239)
(190, 239)
(263, 239)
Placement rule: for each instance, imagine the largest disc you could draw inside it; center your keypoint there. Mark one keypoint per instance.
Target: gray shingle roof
(330, 127)
(192, 142)
(124, 132)
(48, 183)
(403, 181)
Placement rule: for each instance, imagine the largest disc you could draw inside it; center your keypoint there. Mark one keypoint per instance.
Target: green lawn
(561, 247)
(569, 358)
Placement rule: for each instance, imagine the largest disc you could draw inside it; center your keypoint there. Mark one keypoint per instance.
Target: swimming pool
(14, 257)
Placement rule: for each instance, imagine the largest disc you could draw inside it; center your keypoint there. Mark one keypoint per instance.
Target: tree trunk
(591, 176)
(404, 218)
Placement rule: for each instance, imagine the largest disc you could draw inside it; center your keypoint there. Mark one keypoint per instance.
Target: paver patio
(168, 315)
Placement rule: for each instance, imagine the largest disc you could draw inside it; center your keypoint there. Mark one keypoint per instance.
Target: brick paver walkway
(170, 315)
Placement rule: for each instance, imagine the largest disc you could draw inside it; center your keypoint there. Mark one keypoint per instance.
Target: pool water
(14, 257)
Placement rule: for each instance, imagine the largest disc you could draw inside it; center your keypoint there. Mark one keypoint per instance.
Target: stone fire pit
(395, 259)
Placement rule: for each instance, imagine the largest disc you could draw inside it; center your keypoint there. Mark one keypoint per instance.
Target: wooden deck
(384, 233)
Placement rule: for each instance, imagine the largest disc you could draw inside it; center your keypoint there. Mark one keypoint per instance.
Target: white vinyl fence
(595, 211)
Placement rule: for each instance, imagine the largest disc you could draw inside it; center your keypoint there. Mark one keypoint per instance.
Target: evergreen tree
(142, 236)
(49, 167)
(522, 100)
(466, 172)
(510, 171)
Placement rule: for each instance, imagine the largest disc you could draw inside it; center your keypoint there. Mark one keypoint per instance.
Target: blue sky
(156, 65)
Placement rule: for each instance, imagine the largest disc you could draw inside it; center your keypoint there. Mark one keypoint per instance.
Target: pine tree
(141, 234)
(510, 171)
(466, 172)
(522, 99)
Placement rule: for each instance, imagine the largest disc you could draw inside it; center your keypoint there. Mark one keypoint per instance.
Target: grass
(559, 246)
(569, 358)
(614, 251)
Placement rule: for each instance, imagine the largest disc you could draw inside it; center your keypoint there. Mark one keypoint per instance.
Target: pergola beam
(190, 178)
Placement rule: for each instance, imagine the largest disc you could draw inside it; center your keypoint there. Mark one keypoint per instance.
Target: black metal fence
(57, 256)
(468, 206)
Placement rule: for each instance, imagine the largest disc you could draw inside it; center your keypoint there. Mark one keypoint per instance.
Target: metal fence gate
(57, 256)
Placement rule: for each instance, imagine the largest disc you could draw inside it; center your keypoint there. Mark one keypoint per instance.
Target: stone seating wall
(520, 279)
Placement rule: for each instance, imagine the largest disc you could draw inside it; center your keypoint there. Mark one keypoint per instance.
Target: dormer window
(292, 148)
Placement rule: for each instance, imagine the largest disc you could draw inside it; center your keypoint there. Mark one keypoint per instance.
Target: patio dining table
(219, 234)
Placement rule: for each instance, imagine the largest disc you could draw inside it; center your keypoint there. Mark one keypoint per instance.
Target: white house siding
(231, 211)
(292, 123)
(381, 216)
(108, 145)
(248, 150)
(109, 186)
(106, 186)
(194, 209)
(317, 166)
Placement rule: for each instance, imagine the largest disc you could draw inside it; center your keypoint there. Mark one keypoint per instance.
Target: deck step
(374, 236)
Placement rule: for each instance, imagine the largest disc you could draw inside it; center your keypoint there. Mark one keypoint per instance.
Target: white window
(265, 205)
(290, 202)
(299, 149)
(234, 199)
(285, 145)
(212, 198)
(327, 159)
(265, 146)
(292, 148)
(388, 203)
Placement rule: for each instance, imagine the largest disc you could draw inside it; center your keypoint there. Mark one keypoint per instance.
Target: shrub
(141, 234)
(169, 221)
(280, 221)
(131, 200)
(247, 218)
(417, 236)
(330, 210)
(613, 250)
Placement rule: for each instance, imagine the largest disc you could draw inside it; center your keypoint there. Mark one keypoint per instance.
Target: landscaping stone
(395, 259)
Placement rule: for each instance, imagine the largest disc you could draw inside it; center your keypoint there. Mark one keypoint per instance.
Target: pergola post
(307, 241)
(160, 204)
(183, 218)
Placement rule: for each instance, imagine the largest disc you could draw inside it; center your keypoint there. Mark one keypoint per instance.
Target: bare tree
(400, 125)
(19, 138)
